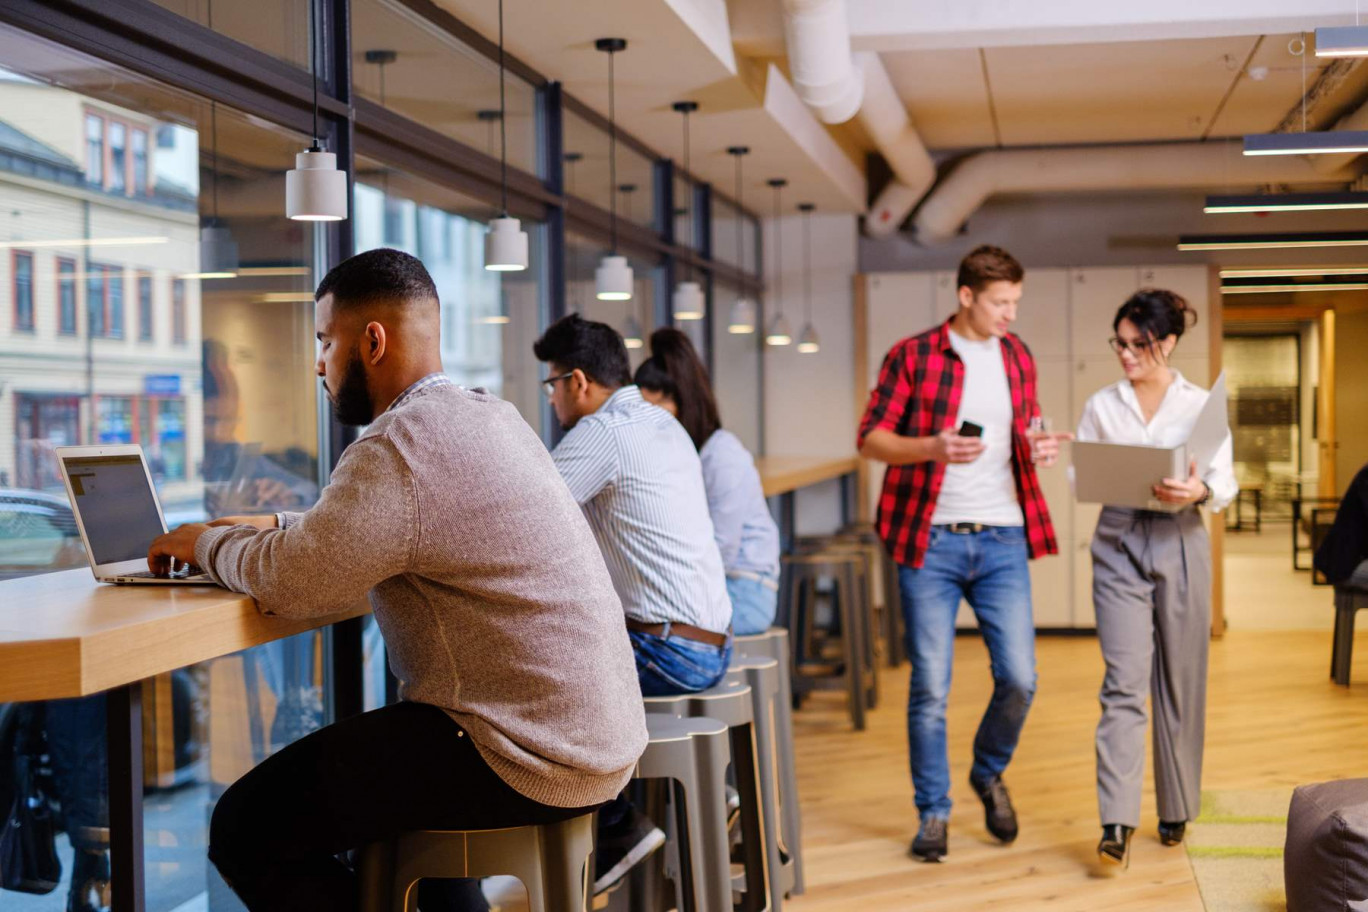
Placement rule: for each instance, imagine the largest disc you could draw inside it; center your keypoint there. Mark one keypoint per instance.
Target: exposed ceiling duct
(1135, 167)
(838, 87)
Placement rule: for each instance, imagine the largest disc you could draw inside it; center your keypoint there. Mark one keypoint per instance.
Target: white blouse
(1113, 415)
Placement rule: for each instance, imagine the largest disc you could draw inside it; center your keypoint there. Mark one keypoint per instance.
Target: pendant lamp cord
(807, 266)
(778, 257)
(503, 118)
(213, 129)
(313, 65)
(612, 157)
(740, 214)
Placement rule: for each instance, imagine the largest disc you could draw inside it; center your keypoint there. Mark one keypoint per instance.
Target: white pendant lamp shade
(742, 319)
(218, 252)
(779, 332)
(808, 343)
(687, 302)
(315, 191)
(613, 278)
(631, 333)
(505, 245)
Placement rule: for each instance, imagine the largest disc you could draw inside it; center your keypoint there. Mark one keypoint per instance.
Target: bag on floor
(28, 848)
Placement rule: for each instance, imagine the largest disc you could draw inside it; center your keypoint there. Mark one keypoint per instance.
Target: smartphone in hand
(969, 429)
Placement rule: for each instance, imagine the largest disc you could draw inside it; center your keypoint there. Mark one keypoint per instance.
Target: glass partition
(276, 27)
(728, 247)
(587, 177)
(122, 338)
(736, 371)
(633, 319)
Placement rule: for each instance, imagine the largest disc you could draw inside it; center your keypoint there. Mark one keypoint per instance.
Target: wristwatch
(1205, 497)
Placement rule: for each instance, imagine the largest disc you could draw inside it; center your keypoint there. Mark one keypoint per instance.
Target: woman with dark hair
(1152, 582)
(675, 379)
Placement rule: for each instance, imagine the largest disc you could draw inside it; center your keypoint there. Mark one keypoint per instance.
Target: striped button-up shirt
(636, 474)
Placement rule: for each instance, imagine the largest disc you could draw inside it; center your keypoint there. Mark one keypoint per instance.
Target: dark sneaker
(1171, 834)
(89, 882)
(932, 839)
(998, 814)
(623, 849)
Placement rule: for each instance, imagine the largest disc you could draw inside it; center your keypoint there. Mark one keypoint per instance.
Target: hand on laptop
(175, 548)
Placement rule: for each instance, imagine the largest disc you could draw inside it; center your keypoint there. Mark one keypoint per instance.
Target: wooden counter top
(66, 635)
(782, 474)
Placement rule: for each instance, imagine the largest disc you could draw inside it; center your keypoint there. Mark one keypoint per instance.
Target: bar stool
(761, 674)
(692, 752)
(774, 644)
(895, 649)
(1348, 600)
(731, 703)
(549, 859)
(802, 572)
(871, 616)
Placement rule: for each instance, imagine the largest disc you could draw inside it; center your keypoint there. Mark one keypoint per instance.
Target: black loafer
(1115, 845)
(998, 814)
(932, 840)
(1171, 834)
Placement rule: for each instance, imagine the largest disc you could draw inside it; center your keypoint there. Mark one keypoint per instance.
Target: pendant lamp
(613, 278)
(808, 342)
(632, 336)
(687, 302)
(315, 191)
(778, 332)
(741, 321)
(506, 242)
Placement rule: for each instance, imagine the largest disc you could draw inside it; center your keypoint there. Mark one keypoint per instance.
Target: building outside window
(96, 301)
(114, 286)
(140, 169)
(94, 158)
(118, 157)
(145, 308)
(66, 296)
(23, 291)
(178, 333)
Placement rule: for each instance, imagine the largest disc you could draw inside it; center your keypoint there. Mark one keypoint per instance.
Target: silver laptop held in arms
(117, 512)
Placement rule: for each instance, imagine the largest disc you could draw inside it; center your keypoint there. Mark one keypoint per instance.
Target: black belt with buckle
(965, 528)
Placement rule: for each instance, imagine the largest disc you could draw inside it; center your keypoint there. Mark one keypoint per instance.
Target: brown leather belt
(687, 631)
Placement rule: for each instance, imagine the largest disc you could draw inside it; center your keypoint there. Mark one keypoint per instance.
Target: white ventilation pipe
(838, 87)
(1138, 167)
(1355, 120)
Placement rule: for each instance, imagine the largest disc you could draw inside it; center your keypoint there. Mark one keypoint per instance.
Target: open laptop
(118, 513)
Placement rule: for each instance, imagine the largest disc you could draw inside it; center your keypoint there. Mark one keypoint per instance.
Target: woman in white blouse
(675, 378)
(1152, 582)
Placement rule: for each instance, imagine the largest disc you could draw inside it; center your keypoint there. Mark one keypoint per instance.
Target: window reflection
(736, 371)
(633, 319)
(591, 172)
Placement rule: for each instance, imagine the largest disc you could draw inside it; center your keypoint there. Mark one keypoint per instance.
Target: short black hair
(574, 343)
(378, 275)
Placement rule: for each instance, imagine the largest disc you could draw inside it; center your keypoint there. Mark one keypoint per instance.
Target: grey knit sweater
(486, 581)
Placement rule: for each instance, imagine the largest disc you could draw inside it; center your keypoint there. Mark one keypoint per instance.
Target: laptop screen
(116, 506)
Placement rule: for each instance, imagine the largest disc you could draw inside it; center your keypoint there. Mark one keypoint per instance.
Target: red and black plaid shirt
(918, 395)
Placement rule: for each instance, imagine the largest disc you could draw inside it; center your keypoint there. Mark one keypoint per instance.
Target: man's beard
(352, 402)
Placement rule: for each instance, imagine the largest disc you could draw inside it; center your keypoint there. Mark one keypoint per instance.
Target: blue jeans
(989, 569)
(753, 605)
(670, 665)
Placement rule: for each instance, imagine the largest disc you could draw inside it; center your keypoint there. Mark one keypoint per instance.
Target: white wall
(810, 399)
(1065, 317)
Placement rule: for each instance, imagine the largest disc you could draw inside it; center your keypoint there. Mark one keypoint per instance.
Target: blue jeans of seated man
(989, 570)
(668, 666)
(753, 604)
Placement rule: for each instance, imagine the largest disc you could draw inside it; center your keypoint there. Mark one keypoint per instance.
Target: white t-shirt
(982, 491)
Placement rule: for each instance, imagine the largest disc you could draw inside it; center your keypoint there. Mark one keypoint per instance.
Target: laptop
(118, 513)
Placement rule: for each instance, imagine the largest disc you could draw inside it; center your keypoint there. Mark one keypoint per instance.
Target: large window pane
(411, 66)
(633, 319)
(736, 372)
(489, 319)
(735, 237)
(587, 177)
(227, 417)
(276, 27)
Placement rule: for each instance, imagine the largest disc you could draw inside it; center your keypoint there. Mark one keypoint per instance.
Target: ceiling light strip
(1313, 143)
(1276, 273)
(1342, 41)
(1285, 202)
(1308, 286)
(1271, 241)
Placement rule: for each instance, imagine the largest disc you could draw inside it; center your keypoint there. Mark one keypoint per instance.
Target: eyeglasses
(549, 384)
(1119, 345)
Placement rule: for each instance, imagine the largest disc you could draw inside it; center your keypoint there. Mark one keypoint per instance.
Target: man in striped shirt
(637, 476)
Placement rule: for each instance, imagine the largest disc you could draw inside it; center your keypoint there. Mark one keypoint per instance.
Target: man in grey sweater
(520, 702)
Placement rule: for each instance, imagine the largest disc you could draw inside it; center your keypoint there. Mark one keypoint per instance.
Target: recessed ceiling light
(1285, 202)
(1317, 143)
(1272, 241)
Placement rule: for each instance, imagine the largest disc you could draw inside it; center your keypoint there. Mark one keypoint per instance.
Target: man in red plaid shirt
(954, 417)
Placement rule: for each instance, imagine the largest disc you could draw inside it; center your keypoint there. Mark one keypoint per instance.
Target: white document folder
(1124, 475)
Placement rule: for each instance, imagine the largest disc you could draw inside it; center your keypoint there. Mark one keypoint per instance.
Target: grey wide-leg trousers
(1152, 595)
